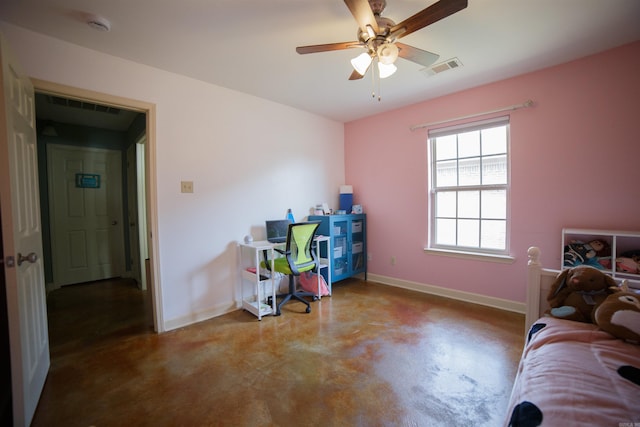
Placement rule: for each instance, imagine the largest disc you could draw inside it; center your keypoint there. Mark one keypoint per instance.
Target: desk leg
(319, 269)
(328, 265)
(273, 285)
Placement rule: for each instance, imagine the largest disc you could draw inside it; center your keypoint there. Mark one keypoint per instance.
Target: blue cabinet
(348, 234)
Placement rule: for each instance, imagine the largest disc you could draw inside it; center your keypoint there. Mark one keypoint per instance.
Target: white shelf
(259, 310)
(255, 300)
(620, 242)
(248, 275)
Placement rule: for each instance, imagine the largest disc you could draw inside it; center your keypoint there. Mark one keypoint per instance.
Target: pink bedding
(573, 374)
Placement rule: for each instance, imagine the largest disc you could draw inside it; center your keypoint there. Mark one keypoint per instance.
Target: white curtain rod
(527, 104)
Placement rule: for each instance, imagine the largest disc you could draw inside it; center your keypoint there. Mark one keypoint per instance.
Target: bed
(571, 373)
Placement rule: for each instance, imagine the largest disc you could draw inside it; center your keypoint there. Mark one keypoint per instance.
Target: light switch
(186, 187)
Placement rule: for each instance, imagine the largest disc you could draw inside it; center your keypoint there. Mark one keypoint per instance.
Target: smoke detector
(98, 23)
(442, 66)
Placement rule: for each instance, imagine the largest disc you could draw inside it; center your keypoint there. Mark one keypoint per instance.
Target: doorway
(77, 103)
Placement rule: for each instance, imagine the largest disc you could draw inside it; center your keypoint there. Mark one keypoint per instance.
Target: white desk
(255, 302)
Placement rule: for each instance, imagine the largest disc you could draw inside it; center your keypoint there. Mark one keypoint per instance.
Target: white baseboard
(200, 316)
(503, 304)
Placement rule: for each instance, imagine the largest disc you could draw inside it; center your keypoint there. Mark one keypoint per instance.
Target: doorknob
(114, 222)
(32, 257)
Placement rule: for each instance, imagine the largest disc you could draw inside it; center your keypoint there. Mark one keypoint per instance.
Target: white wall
(250, 160)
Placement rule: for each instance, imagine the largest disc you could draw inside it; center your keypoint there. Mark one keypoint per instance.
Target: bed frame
(539, 281)
(571, 373)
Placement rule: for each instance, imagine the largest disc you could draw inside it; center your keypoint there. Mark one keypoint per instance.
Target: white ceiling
(249, 45)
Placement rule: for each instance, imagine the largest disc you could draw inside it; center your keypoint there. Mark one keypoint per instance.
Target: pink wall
(574, 163)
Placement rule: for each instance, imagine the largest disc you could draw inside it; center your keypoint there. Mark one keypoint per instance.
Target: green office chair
(299, 256)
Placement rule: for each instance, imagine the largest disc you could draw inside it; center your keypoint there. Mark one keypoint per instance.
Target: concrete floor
(370, 355)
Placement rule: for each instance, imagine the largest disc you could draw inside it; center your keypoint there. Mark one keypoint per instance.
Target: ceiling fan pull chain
(373, 81)
(379, 86)
(376, 77)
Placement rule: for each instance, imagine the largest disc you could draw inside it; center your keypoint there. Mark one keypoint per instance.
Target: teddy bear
(577, 292)
(619, 314)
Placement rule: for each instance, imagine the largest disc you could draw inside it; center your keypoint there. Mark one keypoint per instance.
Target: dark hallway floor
(370, 355)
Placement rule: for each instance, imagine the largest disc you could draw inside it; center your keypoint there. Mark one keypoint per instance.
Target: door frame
(149, 109)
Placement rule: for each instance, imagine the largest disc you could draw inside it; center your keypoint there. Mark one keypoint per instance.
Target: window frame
(468, 251)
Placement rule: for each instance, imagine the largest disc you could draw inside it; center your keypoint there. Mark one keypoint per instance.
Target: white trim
(503, 259)
(502, 304)
(200, 316)
(435, 189)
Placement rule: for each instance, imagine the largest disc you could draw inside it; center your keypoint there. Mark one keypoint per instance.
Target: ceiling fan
(379, 35)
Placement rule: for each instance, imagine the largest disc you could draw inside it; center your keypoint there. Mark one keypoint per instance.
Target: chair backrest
(299, 249)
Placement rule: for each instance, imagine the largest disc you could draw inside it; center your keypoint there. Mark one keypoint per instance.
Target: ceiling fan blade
(361, 11)
(428, 16)
(327, 47)
(416, 55)
(356, 75)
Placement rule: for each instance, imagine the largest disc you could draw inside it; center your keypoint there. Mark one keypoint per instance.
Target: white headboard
(539, 281)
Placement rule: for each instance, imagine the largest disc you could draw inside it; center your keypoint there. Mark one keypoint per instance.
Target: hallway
(96, 312)
(370, 355)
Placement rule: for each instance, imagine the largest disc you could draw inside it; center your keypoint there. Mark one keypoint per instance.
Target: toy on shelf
(629, 262)
(579, 253)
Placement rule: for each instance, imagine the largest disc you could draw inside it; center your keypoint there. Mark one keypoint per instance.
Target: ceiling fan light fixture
(387, 53)
(361, 63)
(371, 31)
(386, 70)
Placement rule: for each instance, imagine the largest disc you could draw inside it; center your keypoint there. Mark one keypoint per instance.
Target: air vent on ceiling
(56, 100)
(442, 66)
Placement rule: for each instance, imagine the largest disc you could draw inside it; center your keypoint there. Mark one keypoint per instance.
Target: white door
(22, 240)
(85, 205)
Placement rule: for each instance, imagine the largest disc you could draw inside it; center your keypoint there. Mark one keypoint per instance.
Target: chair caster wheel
(308, 310)
(315, 298)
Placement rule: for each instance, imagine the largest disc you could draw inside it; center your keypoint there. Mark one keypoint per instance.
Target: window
(469, 187)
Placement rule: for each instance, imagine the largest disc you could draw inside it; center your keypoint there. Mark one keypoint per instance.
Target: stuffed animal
(619, 314)
(576, 253)
(577, 291)
(627, 265)
(601, 247)
(579, 253)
